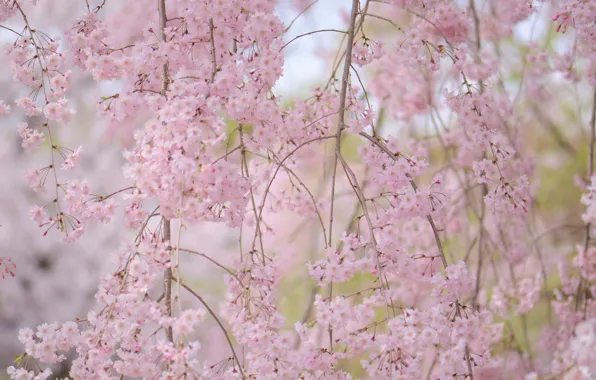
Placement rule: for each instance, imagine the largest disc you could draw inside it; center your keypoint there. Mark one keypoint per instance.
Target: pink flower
(58, 111)
(28, 106)
(31, 139)
(6, 267)
(4, 109)
(72, 160)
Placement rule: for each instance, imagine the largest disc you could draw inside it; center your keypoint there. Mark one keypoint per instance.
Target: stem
(214, 262)
(221, 326)
(167, 235)
(587, 236)
(360, 195)
(342, 110)
(484, 186)
(213, 56)
(167, 285)
(384, 148)
(310, 33)
(340, 127)
(246, 174)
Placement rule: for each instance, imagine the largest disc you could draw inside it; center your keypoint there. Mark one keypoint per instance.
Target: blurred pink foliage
(180, 201)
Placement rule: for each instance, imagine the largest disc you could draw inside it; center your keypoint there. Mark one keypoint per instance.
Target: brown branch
(221, 326)
(342, 110)
(213, 56)
(39, 54)
(376, 141)
(298, 16)
(583, 284)
(554, 131)
(244, 169)
(309, 33)
(214, 262)
(11, 30)
(384, 148)
(384, 19)
(310, 194)
(225, 156)
(360, 195)
(167, 236)
(279, 166)
(315, 289)
(340, 127)
(101, 198)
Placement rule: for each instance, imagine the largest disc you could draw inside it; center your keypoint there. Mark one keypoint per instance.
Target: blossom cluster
(418, 266)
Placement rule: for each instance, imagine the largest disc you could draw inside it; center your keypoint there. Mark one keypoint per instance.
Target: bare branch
(221, 326)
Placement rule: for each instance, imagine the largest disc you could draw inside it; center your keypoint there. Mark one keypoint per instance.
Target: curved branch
(221, 326)
(279, 166)
(214, 262)
(309, 33)
(310, 194)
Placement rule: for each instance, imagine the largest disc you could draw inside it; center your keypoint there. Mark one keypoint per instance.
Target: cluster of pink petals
(210, 142)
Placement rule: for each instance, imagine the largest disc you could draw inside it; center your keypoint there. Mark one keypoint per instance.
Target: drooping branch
(587, 235)
(214, 262)
(167, 235)
(379, 143)
(310, 33)
(221, 326)
(340, 127)
(213, 54)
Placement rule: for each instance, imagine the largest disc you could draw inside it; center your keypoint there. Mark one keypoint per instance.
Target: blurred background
(56, 282)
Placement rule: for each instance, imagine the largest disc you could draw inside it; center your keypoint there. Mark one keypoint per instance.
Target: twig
(244, 169)
(384, 148)
(340, 127)
(214, 262)
(587, 237)
(299, 14)
(213, 56)
(221, 326)
(384, 19)
(310, 194)
(12, 30)
(358, 190)
(279, 166)
(308, 34)
(161, 6)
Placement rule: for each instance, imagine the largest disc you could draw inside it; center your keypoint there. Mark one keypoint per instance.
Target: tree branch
(167, 235)
(221, 326)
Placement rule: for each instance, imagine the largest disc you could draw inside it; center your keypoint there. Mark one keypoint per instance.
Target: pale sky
(302, 67)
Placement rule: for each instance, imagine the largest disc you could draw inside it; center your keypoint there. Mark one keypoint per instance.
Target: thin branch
(102, 198)
(7, 28)
(299, 14)
(221, 326)
(244, 169)
(587, 237)
(384, 19)
(342, 110)
(213, 56)
(309, 33)
(279, 166)
(310, 194)
(214, 262)
(358, 191)
(340, 127)
(554, 131)
(167, 236)
(376, 141)
(384, 148)
(225, 156)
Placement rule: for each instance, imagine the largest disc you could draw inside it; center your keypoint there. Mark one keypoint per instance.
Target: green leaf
(19, 358)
